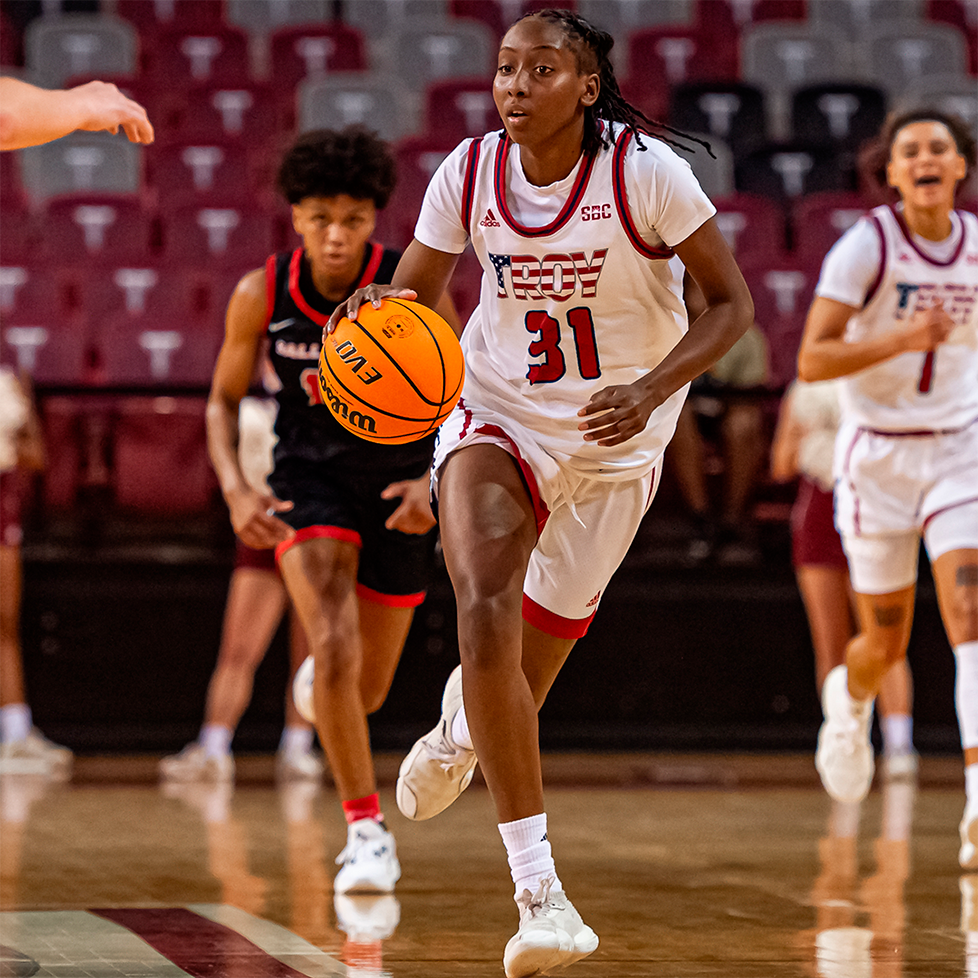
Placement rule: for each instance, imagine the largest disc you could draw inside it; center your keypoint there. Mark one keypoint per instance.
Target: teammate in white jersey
(578, 359)
(896, 317)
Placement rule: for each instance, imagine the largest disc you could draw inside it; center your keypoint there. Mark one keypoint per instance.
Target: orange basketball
(392, 375)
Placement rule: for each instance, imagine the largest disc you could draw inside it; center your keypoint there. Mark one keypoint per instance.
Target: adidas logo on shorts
(489, 221)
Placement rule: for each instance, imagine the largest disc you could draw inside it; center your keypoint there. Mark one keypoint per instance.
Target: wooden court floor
(686, 866)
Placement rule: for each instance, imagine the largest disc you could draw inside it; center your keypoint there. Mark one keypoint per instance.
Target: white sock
(971, 788)
(296, 739)
(966, 693)
(16, 721)
(529, 853)
(460, 731)
(215, 739)
(897, 730)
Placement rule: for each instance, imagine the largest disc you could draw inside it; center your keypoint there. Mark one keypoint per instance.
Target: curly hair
(593, 47)
(327, 162)
(875, 153)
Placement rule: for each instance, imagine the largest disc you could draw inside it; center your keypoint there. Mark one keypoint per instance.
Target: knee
(961, 612)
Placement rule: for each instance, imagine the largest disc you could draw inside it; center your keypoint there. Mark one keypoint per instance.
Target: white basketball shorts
(585, 525)
(894, 489)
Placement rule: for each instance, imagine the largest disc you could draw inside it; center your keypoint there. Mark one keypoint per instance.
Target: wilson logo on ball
(393, 374)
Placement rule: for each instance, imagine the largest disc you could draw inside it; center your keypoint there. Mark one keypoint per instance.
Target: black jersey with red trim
(297, 313)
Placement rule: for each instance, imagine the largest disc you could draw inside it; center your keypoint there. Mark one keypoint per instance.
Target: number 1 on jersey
(554, 365)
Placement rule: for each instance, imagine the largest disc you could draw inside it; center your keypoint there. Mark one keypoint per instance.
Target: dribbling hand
(373, 294)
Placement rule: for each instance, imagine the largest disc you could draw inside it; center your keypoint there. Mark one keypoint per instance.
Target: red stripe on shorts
(314, 532)
(552, 623)
(390, 600)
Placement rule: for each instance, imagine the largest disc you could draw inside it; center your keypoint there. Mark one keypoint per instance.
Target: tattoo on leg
(967, 575)
(888, 616)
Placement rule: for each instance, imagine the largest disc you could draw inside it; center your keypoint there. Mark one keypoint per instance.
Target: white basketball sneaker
(35, 754)
(968, 856)
(437, 770)
(844, 757)
(551, 934)
(192, 764)
(901, 767)
(369, 861)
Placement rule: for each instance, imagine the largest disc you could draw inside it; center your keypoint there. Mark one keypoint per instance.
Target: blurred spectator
(23, 749)
(803, 447)
(720, 407)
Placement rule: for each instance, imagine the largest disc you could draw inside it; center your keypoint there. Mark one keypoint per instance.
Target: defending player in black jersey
(349, 519)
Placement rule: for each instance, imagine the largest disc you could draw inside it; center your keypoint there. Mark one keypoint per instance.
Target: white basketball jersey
(587, 301)
(918, 391)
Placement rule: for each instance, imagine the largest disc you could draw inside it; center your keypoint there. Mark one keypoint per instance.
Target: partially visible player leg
(956, 578)
(255, 604)
(295, 759)
(320, 574)
(23, 748)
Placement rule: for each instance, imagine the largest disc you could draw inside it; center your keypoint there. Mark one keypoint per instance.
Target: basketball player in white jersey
(896, 317)
(578, 359)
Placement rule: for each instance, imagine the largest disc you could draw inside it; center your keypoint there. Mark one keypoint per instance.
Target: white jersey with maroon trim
(579, 291)
(932, 391)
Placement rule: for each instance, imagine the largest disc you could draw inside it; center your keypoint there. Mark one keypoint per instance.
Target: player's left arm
(615, 414)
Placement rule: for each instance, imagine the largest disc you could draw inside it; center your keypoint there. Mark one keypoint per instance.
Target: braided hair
(593, 48)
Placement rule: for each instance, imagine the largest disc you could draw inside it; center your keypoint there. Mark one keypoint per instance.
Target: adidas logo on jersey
(489, 221)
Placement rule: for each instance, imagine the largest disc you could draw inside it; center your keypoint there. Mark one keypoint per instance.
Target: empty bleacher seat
(897, 56)
(953, 94)
(225, 237)
(212, 172)
(425, 50)
(160, 463)
(855, 17)
(247, 114)
(459, 107)
(182, 58)
(819, 220)
(160, 344)
(715, 173)
(380, 20)
(153, 16)
(674, 54)
(781, 57)
(618, 17)
(784, 171)
(782, 286)
(263, 16)
(94, 228)
(841, 114)
(82, 162)
(497, 15)
(729, 110)
(57, 48)
(750, 224)
(350, 98)
(312, 50)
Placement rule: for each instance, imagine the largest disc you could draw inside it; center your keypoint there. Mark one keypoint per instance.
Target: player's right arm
(30, 116)
(252, 512)
(825, 353)
(422, 274)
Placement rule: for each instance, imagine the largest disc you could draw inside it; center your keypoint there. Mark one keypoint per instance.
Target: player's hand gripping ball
(392, 375)
(302, 690)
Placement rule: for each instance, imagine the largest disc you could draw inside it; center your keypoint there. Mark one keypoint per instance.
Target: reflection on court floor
(686, 867)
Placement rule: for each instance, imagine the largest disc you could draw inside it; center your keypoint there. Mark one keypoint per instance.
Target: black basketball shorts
(338, 501)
